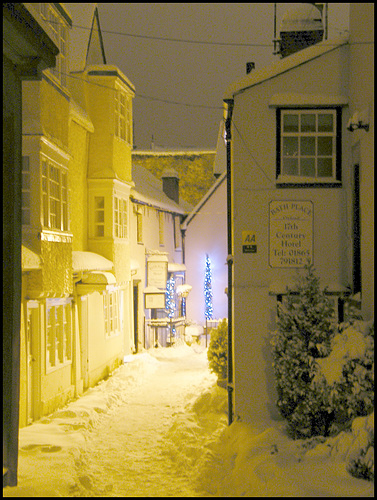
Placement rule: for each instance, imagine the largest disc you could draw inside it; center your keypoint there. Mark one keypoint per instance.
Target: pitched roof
(148, 190)
(283, 65)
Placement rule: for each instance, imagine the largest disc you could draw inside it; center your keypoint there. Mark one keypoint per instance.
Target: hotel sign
(290, 233)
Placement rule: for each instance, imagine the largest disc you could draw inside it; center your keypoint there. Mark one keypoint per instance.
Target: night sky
(193, 74)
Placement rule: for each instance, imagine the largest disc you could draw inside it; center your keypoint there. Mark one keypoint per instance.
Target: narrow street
(132, 452)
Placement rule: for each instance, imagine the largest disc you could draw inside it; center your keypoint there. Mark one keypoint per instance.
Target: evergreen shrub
(217, 353)
(324, 374)
(305, 328)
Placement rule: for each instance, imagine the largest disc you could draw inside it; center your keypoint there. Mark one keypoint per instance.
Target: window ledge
(288, 181)
(62, 237)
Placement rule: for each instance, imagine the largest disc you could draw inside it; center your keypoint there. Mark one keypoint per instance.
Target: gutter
(228, 122)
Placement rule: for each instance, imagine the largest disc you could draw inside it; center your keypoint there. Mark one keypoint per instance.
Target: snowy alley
(158, 427)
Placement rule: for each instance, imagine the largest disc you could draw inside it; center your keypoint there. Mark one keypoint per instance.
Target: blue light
(208, 290)
(170, 302)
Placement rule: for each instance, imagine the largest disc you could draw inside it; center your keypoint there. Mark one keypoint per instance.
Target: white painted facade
(205, 234)
(314, 80)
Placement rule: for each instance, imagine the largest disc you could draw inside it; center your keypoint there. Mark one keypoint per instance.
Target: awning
(29, 259)
(96, 281)
(184, 290)
(90, 261)
(174, 268)
(99, 278)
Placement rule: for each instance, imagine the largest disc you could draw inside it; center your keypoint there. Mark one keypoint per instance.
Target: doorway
(32, 361)
(136, 315)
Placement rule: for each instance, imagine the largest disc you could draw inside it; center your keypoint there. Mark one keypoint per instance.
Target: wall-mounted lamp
(359, 120)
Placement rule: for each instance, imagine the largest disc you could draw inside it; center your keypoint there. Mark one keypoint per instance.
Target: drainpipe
(228, 122)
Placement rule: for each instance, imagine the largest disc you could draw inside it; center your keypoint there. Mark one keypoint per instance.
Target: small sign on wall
(290, 233)
(249, 243)
(157, 273)
(154, 298)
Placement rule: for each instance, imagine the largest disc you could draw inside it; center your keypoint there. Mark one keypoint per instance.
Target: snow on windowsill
(296, 179)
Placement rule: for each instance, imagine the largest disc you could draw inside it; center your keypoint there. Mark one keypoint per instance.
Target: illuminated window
(161, 235)
(308, 144)
(177, 233)
(99, 216)
(54, 194)
(58, 333)
(120, 217)
(139, 225)
(111, 313)
(123, 119)
(26, 190)
(58, 31)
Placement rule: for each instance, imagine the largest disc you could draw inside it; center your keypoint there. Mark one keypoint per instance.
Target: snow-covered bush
(218, 350)
(305, 327)
(346, 376)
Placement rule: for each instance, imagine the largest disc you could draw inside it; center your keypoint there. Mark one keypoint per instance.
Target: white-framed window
(54, 194)
(139, 225)
(111, 312)
(308, 145)
(120, 217)
(58, 333)
(26, 190)
(59, 33)
(99, 216)
(177, 232)
(161, 228)
(123, 116)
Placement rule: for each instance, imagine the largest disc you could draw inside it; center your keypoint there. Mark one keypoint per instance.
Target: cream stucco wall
(253, 188)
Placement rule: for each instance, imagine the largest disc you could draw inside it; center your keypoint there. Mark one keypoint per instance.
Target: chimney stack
(170, 184)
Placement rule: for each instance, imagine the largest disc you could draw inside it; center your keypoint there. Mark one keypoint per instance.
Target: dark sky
(190, 73)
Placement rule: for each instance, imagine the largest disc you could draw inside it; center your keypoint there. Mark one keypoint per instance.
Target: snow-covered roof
(283, 65)
(90, 261)
(174, 268)
(148, 190)
(99, 278)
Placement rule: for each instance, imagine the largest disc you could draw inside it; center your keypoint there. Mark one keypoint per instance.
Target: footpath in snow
(158, 427)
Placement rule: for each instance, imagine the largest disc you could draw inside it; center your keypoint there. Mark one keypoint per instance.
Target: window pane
(99, 202)
(325, 167)
(100, 231)
(308, 122)
(290, 123)
(307, 146)
(307, 166)
(325, 146)
(325, 123)
(290, 146)
(290, 166)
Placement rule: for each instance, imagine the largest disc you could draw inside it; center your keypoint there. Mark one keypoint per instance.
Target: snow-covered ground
(158, 427)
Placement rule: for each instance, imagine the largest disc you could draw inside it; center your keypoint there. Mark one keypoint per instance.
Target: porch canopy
(90, 261)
